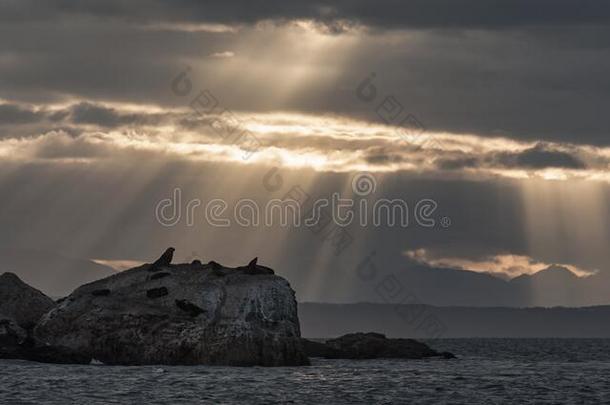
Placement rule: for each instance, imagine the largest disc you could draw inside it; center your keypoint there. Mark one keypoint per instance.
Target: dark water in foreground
(488, 371)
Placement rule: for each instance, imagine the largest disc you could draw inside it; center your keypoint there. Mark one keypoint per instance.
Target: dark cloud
(382, 158)
(90, 113)
(17, 114)
(537, 82)
(87, 113)
(540, 157)
(457, 163)
(384, 13)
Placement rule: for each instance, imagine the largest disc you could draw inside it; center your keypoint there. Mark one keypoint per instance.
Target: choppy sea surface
(487, 371)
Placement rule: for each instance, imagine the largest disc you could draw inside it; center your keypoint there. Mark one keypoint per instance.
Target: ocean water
(487, 371)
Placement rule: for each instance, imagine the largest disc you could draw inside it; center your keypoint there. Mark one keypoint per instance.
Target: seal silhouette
(165, 259)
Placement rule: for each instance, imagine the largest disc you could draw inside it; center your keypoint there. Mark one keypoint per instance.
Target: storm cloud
(527, 70)
(384, 14)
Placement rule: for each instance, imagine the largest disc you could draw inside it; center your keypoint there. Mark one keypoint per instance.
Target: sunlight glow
(324, 143)
(503, 265)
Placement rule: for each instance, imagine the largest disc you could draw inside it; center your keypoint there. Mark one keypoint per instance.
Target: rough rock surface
(20, 302)
(16, 344)
(370, 346)
(21, 306)
(320, 349)
(210, 315)
(11, 336)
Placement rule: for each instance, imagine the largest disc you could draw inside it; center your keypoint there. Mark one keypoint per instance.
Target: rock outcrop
(370, 346)
(21, 303)
(193, 314)
(12, 337)
(21, 306)
(320, 349)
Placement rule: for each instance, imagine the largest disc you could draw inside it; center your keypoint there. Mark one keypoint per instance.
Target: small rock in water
(371, 346)
(447, 355)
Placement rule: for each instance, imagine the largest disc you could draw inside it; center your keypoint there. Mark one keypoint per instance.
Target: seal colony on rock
(188, 314)
(195, 314)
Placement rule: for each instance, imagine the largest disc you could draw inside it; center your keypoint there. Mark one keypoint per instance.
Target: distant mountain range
(58, 275)
(54, 274)
(424, 321)
(553, 286)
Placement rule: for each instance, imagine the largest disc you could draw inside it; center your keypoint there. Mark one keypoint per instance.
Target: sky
(496, 114)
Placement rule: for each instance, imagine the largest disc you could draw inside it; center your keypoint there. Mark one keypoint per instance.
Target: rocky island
(362, 346)
(175, 314)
